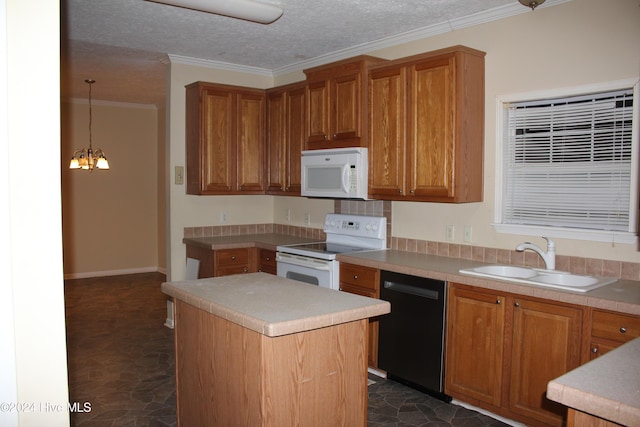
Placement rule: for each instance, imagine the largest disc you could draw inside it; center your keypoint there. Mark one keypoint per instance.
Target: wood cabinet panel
(250, 142)
(434, 121)
(609, 330)
(545, 344)
(337, 103)
(267, 261)
(364, 281)
(225, 139)
(475, 338)
(387, 133)
(285, 139)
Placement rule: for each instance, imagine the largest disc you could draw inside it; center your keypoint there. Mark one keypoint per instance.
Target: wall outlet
(307, 218)
(287, 215)
(450, 233)
(223, 217)
(179, 180)
(468, 234)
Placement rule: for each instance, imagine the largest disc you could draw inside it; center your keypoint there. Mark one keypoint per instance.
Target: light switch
(179, 175)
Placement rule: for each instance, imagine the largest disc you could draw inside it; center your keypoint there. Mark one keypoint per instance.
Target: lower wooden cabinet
(223, 262)
(475, 337)
(610, 330)
(363, 281)
(267, 261)
(503, 349)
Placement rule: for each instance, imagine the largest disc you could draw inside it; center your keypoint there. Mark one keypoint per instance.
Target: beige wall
(111, 218)
(576, 43)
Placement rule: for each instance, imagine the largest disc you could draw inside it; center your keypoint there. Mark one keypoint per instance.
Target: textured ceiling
(124, 44)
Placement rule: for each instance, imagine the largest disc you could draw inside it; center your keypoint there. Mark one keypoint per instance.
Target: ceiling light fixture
(86, 158)
(531, 3)
(249, 10)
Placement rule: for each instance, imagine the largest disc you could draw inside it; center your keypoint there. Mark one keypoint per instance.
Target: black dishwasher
(411, 337)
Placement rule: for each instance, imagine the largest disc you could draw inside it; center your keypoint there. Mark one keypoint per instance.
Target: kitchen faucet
(549, 257)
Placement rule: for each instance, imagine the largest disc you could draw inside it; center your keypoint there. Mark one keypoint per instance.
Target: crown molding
(109, 103)
(479, 18)
(219, 65)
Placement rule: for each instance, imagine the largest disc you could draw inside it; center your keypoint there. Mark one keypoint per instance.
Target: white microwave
(340, 173)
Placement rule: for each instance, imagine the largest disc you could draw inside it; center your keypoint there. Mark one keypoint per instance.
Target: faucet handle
(550, 243)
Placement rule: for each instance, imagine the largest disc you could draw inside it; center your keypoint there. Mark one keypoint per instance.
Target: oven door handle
(303, 262)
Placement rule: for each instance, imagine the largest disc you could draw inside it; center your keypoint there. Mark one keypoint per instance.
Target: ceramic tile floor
(121, 360)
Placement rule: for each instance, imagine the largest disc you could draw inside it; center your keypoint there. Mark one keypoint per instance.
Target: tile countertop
(607, 387)
(622, 296)
(272, 305)
(264, 241)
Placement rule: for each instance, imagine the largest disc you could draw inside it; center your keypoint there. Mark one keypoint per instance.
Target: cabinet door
(545, 345)
(345, 107)
(250, 142)
(431, 127)
(475, 336)
(276, 142)
(213, 168)
(295, 109)
(387, 139)
(317, 114)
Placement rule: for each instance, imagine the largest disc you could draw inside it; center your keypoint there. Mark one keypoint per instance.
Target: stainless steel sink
(538, 277)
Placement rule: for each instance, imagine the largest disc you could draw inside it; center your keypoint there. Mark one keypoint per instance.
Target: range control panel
(356, 225)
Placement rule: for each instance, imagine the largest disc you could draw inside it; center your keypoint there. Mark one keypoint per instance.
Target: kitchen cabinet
(225, 139)
(475, 338)
(267, 261)
(286, 137)
(545, 344)
(363, 281)
(336, 103)
(426, 127)
(503, 349)
(610, 330)
(223, 262)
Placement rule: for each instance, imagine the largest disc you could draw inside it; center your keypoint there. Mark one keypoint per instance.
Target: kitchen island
(260, 350)
(604, 392)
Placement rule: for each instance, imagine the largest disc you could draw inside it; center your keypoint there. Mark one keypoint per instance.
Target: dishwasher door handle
(412, 290)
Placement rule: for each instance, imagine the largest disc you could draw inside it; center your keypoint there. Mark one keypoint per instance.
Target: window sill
(565, 233)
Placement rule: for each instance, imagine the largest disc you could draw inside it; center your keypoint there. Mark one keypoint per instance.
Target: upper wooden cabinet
(337, 103)
(285, 138)
(225, 139)
(426, 127)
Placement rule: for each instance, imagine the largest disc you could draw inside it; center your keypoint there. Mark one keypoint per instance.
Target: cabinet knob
(399, 191)
(355, 276)
(233, 258)
(268, 258)
(335, 136)
(498, 301)
(623, 330)
(245, 269)
(516, 304)
(594, 350)
(325, 136)
(411, 191)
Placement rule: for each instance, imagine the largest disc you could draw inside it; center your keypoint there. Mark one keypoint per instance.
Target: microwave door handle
(345, 178)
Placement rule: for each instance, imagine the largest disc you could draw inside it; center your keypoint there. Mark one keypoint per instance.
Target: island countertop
(272, 305)
(607, 387)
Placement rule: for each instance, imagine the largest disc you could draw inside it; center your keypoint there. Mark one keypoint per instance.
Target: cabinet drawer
(231, 257)
(615, 326)
(363, 277)
(227, 271)
(267, 258)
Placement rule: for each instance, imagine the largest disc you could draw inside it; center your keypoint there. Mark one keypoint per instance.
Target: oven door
(319, 272)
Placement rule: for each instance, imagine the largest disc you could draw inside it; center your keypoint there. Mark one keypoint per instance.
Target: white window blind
(568, 162)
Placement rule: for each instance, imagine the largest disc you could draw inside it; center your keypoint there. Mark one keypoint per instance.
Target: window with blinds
(569, 163)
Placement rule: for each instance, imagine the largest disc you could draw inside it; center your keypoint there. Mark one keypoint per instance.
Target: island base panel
(229, 375)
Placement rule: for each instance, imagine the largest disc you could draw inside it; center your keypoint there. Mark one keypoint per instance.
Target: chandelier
(87, 158)
(531, 3)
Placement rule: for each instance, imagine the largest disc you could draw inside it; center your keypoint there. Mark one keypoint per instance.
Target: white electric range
(316, 263)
